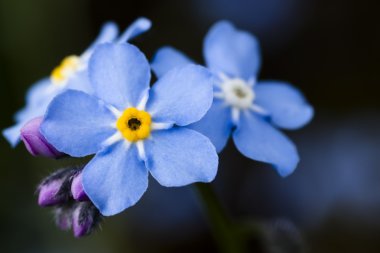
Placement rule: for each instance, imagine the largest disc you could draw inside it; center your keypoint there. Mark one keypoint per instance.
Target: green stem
(224, 230)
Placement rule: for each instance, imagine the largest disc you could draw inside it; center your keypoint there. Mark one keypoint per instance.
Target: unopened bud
(77, 188)
(86, 218)
(35, 143)
(48, 193)
(63, 217)
(55, 189)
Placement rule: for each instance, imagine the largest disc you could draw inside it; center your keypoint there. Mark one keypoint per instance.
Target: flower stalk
(225, 231)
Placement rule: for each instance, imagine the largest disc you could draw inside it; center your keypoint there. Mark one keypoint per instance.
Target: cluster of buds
(63, 191)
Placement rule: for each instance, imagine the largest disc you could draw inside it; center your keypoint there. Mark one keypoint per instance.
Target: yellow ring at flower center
(134, 124)
(67, 67)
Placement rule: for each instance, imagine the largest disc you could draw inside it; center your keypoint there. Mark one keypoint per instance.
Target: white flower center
(237, 93)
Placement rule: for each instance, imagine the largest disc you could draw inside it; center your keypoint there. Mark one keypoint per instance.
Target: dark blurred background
(328, 48)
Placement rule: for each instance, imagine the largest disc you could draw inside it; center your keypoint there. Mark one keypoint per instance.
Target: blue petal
(120, 74)
(286, 105)
(77, 124)
(216, 124)
(12, 134)
(43, 92)
(167, 58)
(36, 110)
(37, 91)
(38, 98)
(115, 179)
(108, 33)
(138, 27)
(180, 156)
(80, 81)
(231, 51)
(258, 140)
(27, 113)
(182, 96)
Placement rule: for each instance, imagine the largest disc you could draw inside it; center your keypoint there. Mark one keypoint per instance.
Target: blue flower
(70, 74)
(132, 129)
(249, 109)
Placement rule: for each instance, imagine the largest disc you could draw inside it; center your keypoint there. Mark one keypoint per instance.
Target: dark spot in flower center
(239, 93)
(134, 124)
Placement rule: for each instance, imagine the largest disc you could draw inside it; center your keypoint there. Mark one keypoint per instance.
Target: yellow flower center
(65, 69)
(134, 125)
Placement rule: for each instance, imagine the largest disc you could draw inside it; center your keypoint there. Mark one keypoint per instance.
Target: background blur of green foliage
(328, 48)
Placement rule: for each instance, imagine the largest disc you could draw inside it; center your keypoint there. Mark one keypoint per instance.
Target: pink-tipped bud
(77, 189)
(35, 143)
(55, 189)
(49, 193)
(85, 219)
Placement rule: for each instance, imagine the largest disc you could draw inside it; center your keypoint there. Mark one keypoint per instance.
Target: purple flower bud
(56, 188)
(85, 218)
(77, 188)
(35, 143)
(63, 217)
(48, 193)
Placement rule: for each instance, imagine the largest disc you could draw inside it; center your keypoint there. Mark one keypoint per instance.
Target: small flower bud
(48, 193)
(35, 143)
(86, 217)
(56, 188)
(77, 188)
(63, 217)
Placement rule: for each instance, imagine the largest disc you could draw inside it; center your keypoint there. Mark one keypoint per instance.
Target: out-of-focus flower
(71, 73)
(35, 143)
(251, 110)
(63, 216)
(132, 129)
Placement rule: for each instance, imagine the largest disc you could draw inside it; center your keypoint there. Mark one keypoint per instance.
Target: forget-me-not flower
(71, 73)
(249, 109)
(132, 129)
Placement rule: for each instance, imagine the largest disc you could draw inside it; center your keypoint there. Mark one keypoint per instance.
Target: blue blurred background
(328, 48)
